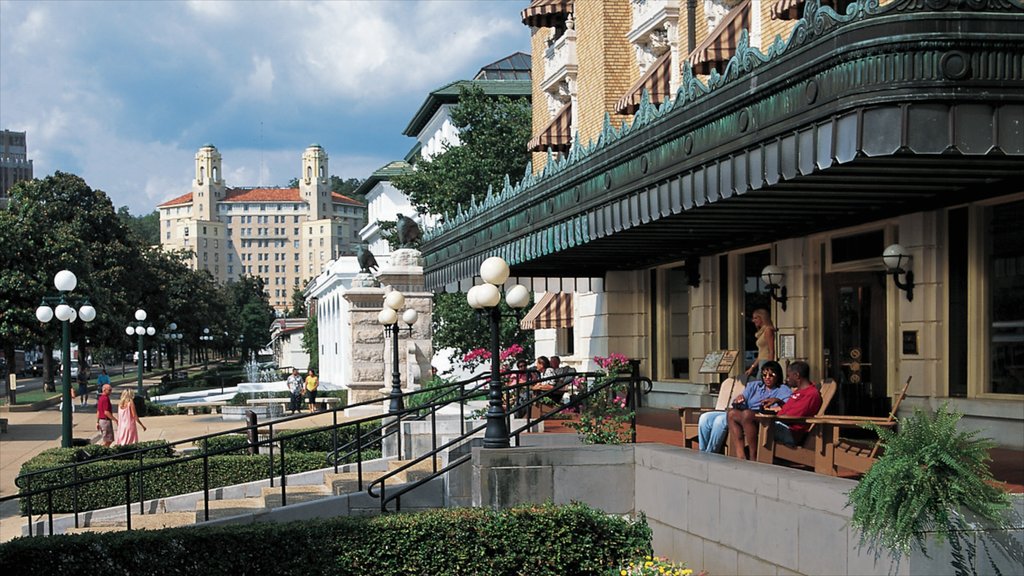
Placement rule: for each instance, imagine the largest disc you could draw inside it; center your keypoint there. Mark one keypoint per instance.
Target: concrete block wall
(720, 514)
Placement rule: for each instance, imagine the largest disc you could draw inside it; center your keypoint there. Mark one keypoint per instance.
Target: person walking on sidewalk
(312, 383)
(101, 380)
(295, 388)
(127, 419)
(105, 417)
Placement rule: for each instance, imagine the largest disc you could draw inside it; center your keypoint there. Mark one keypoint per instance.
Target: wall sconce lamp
(772, 277)
(897, 261)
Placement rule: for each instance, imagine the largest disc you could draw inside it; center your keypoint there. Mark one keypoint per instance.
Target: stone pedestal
(367, 337)
(371, 351)
(405, 274)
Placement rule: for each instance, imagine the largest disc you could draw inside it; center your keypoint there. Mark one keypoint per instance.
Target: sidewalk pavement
(30, 433)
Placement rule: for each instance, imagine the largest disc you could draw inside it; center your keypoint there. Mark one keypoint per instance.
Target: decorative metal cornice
(817, 21)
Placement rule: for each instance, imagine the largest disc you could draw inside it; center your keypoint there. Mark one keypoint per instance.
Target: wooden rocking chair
(769, 451)
(689, 418)
(823, 449)
(835, 452)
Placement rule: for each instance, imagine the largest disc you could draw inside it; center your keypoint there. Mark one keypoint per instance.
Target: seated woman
(712, 426)
(740, 418)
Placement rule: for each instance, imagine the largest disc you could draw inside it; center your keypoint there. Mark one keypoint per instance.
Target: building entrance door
(855, 342)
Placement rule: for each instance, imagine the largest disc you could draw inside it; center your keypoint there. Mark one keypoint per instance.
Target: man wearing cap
(105, 417)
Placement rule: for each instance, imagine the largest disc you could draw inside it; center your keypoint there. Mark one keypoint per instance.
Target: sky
(125, 93)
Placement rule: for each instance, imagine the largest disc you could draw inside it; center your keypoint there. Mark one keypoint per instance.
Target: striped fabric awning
(794, 9)
(720, 44)
(554, 310)
(656, 80)
(547, 13)
(557, 135)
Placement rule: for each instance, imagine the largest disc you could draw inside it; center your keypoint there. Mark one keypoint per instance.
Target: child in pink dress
(127, 432)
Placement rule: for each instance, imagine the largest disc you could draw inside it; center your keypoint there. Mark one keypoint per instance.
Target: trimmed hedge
(177, 477)
(545, 540)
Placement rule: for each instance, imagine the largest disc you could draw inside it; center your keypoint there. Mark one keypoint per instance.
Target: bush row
(175, 474)
(535, 540)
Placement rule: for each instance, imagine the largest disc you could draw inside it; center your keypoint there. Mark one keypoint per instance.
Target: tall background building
(14, 162)
(283, 235)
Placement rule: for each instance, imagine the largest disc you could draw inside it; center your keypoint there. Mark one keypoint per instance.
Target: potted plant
(930, 475)
(604, 417)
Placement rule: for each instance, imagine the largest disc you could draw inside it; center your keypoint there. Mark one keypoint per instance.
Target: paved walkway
(29, 433)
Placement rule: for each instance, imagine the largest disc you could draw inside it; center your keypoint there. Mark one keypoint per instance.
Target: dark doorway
(855, 342)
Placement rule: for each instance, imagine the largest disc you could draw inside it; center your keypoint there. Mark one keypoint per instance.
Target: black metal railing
(367, 432)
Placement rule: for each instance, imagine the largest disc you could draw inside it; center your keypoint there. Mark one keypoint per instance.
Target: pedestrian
(83, 384)
(312, 383)
(295, 388)
(105, 417)
(127, 419)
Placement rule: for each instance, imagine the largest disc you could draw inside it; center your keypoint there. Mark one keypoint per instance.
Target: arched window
(322, 176)
(215, 174)
(202, 174)
(309, 173)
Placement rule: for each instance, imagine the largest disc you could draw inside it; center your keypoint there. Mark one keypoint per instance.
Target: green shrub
(542, 540)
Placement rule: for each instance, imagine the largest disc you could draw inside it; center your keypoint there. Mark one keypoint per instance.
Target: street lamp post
(172, 337)
(485, 298)
(388, 317)
(140, 329)
(207, 338)
(65, 281)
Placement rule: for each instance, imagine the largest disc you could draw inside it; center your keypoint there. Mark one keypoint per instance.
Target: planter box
(262, 412)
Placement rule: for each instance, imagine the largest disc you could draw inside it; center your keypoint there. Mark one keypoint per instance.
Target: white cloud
(124, 93)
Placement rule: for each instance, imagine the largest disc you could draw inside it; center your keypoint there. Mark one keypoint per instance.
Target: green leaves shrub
(930, 474)
(543, 540)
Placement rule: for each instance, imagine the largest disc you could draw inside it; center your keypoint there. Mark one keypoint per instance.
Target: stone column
(367, 370)
(405, 274)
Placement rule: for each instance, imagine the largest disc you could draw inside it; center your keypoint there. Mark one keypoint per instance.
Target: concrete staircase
(337, 494)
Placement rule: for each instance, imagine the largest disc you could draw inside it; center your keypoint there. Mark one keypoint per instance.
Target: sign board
(719, 362)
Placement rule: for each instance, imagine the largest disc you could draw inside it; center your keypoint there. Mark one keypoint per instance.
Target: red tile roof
(262, 195)
(183, 199)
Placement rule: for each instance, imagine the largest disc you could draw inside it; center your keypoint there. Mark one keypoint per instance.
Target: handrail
(369, 430)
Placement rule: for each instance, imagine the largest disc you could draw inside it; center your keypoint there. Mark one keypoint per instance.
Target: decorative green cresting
(532, 196)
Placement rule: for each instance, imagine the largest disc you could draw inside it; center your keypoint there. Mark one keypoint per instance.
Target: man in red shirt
(804, 402)
(105, 416)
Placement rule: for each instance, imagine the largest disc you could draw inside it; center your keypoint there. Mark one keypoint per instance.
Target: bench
(193, 405)
(323, 402)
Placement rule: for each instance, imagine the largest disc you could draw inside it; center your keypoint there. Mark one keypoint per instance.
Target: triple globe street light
(140, 329)
(485, 298)
(65, 282)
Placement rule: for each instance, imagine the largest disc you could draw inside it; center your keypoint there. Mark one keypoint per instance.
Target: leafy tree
(56, 223)
(146, 227)
(298, 309)
(311, 342)
(456, 325)
(493, 132)
(249, 313)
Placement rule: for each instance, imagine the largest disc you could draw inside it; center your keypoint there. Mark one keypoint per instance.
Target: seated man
(804, 402)
(712, 425)
(569, 375)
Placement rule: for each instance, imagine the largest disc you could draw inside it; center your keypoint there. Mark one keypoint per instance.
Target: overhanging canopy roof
(557, 135)
(656, 80)
(547, 13)
(553, 310)
(794, 9)
(720, 44)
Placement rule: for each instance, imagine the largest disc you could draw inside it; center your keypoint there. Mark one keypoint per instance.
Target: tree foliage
(249, 313)
(493, 134)
(311, 342)
(457, 326)
(145, 227)
(298, 309)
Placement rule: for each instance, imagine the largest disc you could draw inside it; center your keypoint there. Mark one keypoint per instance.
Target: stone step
(143, 522)
(228, 508)
(348, 482)
(296, 494)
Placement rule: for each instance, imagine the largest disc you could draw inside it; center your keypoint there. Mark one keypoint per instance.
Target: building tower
(208, 186)
(314, 185)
